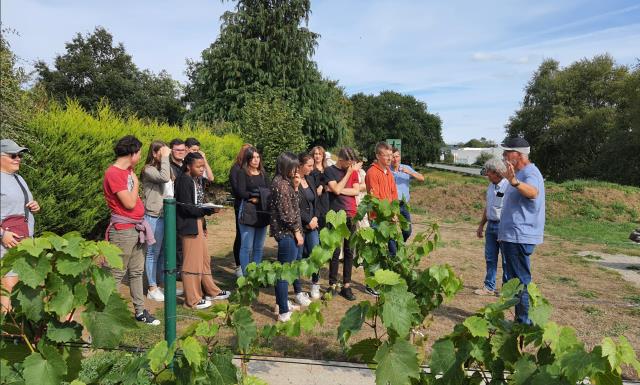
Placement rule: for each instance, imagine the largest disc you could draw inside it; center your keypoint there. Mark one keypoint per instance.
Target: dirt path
(626, 265)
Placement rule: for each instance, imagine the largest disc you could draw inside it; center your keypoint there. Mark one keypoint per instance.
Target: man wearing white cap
(522, 218)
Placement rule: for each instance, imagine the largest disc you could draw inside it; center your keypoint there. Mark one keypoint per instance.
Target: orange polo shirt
(380, 184)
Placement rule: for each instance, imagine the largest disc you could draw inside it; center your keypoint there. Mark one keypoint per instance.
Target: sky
(469, 61)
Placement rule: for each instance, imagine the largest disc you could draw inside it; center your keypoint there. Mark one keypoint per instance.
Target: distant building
(469, 155)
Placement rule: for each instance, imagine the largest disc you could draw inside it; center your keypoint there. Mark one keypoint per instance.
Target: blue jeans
(251, 245)
(491, 251)
(404, 211)
(311, 240)
(288, 251)
(518, 265)
(152, 266)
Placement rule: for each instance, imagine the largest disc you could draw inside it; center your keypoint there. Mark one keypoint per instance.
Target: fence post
(170, 270)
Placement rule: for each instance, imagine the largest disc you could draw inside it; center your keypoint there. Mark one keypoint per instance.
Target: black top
(187, 214)
(322, 204)
(285, 209)
(176, 169)
(338, 202)
(249, 185)
(308, 202)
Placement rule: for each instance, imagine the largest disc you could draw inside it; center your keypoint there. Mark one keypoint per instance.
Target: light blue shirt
(495, 198)
(402, 181)
(522, 219)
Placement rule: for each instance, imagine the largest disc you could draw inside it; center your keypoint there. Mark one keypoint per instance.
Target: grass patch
(617, 329)
(568, 281)
(592, 311)
(578, 260)
(587, 294)
(589, 231)
(635, 299)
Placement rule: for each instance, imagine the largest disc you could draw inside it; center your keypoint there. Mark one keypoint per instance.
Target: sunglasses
(14, 156)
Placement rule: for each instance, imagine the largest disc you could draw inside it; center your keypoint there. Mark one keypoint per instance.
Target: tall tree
(12, 107)
(265, 46)
(391, 115)
(570, 115)
(94, 68)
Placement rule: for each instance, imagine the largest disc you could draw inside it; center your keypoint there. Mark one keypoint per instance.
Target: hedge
(71, 149)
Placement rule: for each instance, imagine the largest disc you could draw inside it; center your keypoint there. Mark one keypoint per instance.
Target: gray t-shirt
(12, 201)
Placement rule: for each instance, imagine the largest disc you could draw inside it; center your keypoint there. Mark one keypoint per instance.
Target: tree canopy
(582, 119)
(93, 69)
(391, 115)
(265, 46)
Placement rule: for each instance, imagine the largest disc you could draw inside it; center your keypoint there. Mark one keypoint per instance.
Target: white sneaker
(303, 299)
(284, 317)
(179, 291)
(290, 305)
(203, 304)
(315, 291)
(239, 271)
(224, 294)
(156, 295)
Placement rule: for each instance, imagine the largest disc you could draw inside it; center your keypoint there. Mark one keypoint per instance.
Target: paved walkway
(464, 170)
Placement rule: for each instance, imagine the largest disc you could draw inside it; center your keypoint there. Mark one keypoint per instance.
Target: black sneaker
(371, 291)
(147, 318)
(347, 293)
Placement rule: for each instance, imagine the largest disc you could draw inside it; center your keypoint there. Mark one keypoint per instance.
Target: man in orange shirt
(379, 180)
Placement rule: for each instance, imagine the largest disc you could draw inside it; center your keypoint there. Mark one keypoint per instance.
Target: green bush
(273, 127)
(71, 149)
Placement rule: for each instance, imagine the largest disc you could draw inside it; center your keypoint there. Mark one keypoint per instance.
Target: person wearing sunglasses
(16, 209)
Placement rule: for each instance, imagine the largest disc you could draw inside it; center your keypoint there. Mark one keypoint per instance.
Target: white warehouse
(468, 155)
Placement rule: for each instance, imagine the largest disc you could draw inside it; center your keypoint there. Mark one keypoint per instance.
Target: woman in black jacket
(309, 202)
(234, 175)
(320, 163)
(192, 228)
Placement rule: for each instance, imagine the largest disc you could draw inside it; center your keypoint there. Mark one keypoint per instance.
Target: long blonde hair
(324, 156)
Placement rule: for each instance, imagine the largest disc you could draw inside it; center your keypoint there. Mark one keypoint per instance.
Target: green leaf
(511, 289)
(307, 321)
(105, 284)
(399, 309)
(540, 314)
(522, 370)
(206, 329)
(443, 356)
(31, 302)
(8, 375)
(59, 332)
(61, 301)
(365, 349)
(397, 363)
(221, 370)
(352, 321)
(80, 294)
(158, 356)
(71, 266)
(32, 271)
(387, 277)
(112, 254)
(106, 327)
(252, 380)
(478, 327)
(56, 241)
(34, 246)
(245, 328)
(44, 368)
(77, 382)
(192, 350)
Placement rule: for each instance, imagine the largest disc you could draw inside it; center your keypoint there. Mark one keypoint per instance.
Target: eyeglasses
(14, 156)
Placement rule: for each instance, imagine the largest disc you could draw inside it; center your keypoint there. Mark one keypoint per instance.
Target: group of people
(293, 204)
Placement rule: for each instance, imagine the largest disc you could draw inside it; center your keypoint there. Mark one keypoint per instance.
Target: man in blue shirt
(402, 173)
(522, 218)
(494, 168)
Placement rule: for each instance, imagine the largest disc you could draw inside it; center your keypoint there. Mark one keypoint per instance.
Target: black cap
(514, 142)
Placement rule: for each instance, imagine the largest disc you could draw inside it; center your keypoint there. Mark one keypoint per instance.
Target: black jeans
(347, 260)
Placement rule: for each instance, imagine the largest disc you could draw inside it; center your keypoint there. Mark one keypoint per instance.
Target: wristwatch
(516, 184)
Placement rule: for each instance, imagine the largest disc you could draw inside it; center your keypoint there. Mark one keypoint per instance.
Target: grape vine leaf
(106, 327)
(397, 363)
(399, 309)
(45, 367)
(192, 351)
(478, 327)
(245, 328)
(443, 356)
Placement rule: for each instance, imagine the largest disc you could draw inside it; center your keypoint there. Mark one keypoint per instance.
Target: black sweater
(308, 210)
(187, 214)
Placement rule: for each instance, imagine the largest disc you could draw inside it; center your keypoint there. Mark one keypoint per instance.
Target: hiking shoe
(239, 271)
(303, 299)
(484, 292)
(224, 294)
(347, 293)
(202, 304)
(147, 318)
(284, 317)
(315, 291)
(156, 295)
(371, 291)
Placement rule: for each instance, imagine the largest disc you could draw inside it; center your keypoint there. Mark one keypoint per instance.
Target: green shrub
(71, 149)
(273, 127)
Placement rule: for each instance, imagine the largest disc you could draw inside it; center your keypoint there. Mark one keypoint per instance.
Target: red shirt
(116, 180)
(381, 184)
